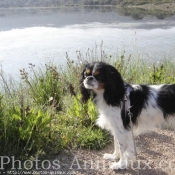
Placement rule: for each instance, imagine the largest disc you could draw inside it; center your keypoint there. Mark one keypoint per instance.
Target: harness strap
(129, 113)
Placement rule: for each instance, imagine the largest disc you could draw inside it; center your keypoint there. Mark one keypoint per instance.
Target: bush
(44, 85)
(78, 127)
(43, 113)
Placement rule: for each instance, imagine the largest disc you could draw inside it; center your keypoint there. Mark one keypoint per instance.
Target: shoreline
(163, 7)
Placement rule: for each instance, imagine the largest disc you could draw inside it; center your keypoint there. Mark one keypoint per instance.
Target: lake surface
(41, 35)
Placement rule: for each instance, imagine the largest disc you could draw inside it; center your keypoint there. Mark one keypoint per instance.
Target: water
(41, 35)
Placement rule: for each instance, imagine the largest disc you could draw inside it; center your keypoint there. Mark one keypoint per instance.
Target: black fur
(115, 89)
(138, 100)
(166, 99)
(84, 92)
(114, 86)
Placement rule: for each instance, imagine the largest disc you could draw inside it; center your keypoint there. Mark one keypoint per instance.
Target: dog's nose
(90, 78)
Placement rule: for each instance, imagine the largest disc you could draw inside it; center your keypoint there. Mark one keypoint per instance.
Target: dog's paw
(118, 166)
(111, 157)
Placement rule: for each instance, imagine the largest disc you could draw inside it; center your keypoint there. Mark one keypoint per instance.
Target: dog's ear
(114, 86)
(84, 92)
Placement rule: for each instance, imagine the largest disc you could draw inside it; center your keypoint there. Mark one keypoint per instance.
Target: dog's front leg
(126, 148)
(116, 154)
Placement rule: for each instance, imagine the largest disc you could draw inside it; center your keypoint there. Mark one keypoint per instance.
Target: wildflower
(51, 98)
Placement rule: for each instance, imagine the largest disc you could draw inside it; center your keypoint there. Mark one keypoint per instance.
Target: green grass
(42, 113)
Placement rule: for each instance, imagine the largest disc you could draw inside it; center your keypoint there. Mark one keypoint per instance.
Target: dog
(125, 108)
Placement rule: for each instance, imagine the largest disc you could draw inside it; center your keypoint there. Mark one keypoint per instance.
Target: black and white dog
(150, 105)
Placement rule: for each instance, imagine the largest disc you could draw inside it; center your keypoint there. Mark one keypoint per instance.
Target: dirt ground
(156, 156)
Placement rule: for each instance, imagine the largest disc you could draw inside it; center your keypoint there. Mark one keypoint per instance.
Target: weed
(43, 113)
(44, 85)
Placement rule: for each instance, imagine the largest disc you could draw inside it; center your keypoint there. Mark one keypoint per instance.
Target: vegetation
(57, 3)
(43, 113)
(125, 2)
(141, 2)
(138, 13)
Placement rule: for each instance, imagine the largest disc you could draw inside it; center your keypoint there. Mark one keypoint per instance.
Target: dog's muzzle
(90, 82)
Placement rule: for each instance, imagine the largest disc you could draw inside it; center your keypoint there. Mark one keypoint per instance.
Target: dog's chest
(110, 117)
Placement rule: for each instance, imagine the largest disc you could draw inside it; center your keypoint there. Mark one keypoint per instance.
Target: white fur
(94, 84)
(110, 119)
(100, 77)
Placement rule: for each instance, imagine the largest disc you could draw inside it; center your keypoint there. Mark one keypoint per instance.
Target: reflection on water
(39, 35)
(135, 13)
(139, 14)
(60, 17)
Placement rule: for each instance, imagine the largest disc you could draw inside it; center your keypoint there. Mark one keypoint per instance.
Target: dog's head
(103, 78)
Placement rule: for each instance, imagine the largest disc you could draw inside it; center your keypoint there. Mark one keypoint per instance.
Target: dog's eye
(99, 78)
(87, 73)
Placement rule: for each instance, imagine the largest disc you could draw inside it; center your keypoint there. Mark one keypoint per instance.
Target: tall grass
(43, 111)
